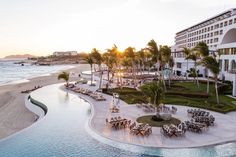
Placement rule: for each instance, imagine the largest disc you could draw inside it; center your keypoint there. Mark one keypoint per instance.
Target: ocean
(11, 73)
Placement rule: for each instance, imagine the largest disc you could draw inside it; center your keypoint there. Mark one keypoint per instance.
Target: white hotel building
(219, 33)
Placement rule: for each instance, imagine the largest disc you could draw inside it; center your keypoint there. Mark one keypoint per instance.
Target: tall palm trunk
(196, 73)
(100, 81)
(170, 75)
(216, 88)
(187, 71)
(91, 66)
(208, 82)
(108, 78)
(163, 79)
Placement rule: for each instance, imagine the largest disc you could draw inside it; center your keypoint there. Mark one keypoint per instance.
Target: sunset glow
(42, 27)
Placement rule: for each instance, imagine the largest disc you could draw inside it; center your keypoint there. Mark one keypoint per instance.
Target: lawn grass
(227, 104)
(129, 95)
(148, 120)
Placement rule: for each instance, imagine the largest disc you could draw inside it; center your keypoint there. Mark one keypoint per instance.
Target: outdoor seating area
(200, 116)
(135, 129)
(114, 109)
(147, 107)
(118, 122)
(94, 95)
(173, 130)
(196, 127)
(140, 129)
(166, 109)
(200, 120)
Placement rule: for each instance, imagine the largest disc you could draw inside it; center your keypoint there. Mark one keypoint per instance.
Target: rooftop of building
(218, 15)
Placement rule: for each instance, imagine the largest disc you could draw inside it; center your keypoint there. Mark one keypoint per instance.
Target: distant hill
(24, 56)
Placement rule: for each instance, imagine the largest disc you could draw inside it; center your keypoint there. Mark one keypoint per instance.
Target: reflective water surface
(64, 132)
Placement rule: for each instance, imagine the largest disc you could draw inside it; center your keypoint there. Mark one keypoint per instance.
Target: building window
(234, 20)
(211, 28)
(221, 32)
(216, 26)
(221, 24)
(215, 40)
(211, 34)
(178, 65)
(226, 66)
(211, 41)
(234, 51)
(226, 23)
(230, 22)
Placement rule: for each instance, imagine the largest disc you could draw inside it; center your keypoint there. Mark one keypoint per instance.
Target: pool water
(64, 132)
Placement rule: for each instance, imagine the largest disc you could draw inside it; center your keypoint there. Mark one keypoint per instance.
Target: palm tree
(153, 48)
(171, 63)
(187, 52)
(154, 91)
(141, 54)
(110, 61)
(89, 60)
(65, 76)
(213, 65)
(114, 59)
(193, 57)
(165, 54)
(202, 49)
(192, 72)
(130, 54)
(97, 58)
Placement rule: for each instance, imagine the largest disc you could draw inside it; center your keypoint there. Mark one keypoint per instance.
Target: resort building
(65, 53)
(219, 33)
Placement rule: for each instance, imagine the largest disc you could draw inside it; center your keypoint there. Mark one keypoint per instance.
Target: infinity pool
(64, 132)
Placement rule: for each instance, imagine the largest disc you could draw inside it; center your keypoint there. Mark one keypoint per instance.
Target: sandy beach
(14, 116)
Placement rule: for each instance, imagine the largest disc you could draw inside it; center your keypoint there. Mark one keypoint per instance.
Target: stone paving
(222, 132)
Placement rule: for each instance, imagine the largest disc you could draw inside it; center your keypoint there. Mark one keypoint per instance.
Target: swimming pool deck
(222, 132)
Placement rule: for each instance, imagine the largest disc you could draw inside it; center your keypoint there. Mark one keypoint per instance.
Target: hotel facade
(219, 33)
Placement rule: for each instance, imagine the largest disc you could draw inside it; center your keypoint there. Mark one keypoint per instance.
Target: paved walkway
(223, 131)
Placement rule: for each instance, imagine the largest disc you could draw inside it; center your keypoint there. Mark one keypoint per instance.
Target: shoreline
(27, 79)
(14, 116)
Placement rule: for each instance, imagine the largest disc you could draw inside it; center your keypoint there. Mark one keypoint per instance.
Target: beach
(14, 116)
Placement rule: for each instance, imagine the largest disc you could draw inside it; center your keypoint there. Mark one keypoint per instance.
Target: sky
(40, 27)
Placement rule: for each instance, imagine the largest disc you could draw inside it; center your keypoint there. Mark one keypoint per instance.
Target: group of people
(174, 130)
